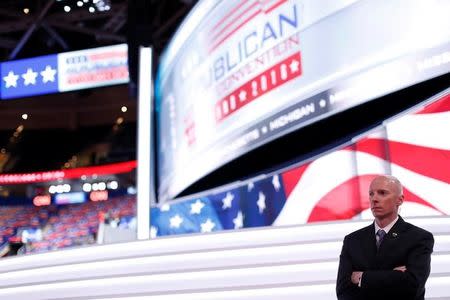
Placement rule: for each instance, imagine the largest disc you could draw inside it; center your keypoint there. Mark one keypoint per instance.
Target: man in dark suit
(390, 259)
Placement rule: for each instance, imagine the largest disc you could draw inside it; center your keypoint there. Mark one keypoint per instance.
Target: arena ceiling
(37, 27)
(30, 28)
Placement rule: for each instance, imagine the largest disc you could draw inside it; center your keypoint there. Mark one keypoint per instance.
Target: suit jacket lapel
(392, 236)
(369, 245)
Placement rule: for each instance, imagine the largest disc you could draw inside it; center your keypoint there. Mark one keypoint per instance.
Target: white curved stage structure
(295, 262)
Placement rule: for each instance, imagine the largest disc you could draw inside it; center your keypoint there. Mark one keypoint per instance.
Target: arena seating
(62, 226)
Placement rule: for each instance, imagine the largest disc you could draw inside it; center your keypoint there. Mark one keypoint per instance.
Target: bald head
(386, 196)
(392, 180)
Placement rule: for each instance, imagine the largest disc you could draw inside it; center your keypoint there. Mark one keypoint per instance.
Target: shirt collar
(386, 228)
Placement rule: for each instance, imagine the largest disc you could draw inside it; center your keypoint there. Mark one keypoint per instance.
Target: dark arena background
(214, 149)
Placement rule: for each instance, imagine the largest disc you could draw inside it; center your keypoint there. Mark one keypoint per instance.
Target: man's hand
(356, 277)
(400, 268)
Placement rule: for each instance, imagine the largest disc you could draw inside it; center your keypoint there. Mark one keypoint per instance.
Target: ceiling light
(124, 109)
(91, 9)
(67, 8)
(113, 185)
(52, 189)
(26, 10)
(59, 189)
(66, 188)
(80, 3)
(87, 187)
(25, 116)
(119, 120)
(101, 186)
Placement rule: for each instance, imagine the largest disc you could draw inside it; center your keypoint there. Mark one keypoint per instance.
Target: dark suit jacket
(404, 245)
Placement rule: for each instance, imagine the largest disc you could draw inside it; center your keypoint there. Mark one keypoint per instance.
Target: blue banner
(63, 72)
(28, 77)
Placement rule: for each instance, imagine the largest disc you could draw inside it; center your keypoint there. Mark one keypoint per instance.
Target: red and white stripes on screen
(237, 17)
(415, 148)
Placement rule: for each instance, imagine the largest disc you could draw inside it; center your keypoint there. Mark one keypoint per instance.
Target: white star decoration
(226, 202)
(153, 232)
(29, 77)
(242, 95)
(294, 66)
(239, 220)
(261, 202)
(48, 74)
(196, 208)
(176, 221)
(11, 79)
(165, 207)
(208, 226)
(276, 182)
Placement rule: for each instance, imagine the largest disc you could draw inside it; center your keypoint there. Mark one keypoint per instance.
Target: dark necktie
(380, 233)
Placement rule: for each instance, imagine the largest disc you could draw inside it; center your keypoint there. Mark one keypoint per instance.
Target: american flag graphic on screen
(414, 147)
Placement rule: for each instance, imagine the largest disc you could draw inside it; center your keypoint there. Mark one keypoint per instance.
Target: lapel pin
(394, 234)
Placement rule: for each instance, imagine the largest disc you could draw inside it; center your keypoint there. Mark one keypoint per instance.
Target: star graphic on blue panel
(226, 202)
(165, 207)
(29, 77)
(11, 79)
(239, 220)
(48, 74)
(276, 182)
(261, 202)
(208, 225)
(176, 221)
(196, 208)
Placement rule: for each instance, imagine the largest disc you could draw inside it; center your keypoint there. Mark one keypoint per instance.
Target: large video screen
(239, 74)
(410, 146)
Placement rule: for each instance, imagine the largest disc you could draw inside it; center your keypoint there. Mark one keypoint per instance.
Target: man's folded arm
(344, 287)
(411, 280)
